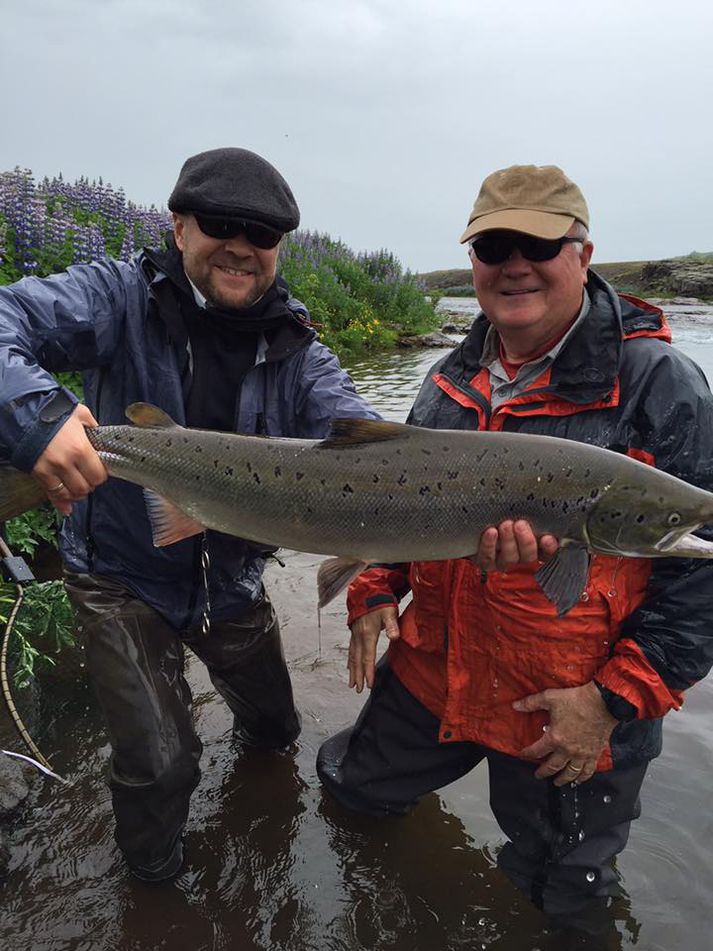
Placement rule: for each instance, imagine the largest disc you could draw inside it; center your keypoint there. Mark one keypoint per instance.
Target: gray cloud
(383, 115)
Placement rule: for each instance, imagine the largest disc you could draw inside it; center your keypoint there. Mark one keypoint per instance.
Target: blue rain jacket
(105, 320)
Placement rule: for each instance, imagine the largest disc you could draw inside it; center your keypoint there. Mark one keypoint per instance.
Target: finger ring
(57, 488)
(575, 769)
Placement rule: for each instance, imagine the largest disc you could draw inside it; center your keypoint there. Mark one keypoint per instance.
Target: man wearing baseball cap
(206, 330)
(566, 710)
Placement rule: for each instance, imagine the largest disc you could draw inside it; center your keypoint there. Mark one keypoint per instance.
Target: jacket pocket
(430, 583)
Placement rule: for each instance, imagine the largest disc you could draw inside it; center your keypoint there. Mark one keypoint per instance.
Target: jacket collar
(587, 367)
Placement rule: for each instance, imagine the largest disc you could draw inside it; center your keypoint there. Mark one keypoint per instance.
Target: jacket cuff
(631, 677)
(374, 588)
(615, 704)
(54, 410)
(370, 604)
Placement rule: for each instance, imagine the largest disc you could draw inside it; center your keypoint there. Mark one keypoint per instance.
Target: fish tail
(19, 492)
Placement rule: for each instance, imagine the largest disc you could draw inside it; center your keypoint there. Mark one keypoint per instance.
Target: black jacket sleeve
(666, 644)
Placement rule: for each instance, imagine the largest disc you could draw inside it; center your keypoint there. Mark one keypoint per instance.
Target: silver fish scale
(422, 495)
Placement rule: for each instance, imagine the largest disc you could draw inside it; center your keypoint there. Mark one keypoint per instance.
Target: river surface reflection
(275, 866)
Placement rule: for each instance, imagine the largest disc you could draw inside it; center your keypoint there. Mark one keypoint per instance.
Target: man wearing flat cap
(566, 710)
(207, 331)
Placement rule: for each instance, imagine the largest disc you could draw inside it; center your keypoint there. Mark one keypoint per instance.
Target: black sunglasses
(495, 247)
(225, 228)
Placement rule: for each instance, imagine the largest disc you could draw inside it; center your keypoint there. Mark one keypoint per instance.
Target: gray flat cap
(235, 183)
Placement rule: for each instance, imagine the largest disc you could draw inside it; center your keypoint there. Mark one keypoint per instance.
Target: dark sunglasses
(259, 235)
(495, 247)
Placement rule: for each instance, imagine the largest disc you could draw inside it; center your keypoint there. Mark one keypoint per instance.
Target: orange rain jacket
(473, 643)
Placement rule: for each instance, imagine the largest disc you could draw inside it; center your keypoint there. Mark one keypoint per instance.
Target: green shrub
(43, 627)
(357, 301)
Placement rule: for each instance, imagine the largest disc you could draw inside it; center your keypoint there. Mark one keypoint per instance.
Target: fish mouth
(688, 544)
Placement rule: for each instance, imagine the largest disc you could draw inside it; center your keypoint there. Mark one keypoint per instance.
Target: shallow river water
(273, 865)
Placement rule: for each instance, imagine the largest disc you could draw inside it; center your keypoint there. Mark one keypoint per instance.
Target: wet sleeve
(327, 392)
(69, 321)
(666, 644)
(376, 587)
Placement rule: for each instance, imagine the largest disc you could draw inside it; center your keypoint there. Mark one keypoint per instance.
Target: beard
(218, 292)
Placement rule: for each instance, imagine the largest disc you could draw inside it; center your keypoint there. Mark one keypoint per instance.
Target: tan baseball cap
(534, 199)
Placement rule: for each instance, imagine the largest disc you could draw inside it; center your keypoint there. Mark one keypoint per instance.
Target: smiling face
(532, 302)
(229, 273)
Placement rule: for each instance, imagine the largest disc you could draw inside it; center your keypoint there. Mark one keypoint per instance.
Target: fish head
(650, 518)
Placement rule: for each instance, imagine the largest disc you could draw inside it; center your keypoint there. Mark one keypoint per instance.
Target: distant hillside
(446, 280)
(689, 276)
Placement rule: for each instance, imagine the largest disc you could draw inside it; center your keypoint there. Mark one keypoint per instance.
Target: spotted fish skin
(391, 492)
(410, 495)
(386, 492)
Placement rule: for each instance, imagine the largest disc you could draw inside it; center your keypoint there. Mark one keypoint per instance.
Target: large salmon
(388, 492)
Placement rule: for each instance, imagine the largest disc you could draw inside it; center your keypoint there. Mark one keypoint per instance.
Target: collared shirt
(200, 299)
(502, 387)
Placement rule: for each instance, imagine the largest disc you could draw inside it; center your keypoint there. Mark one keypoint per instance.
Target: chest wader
(136, 662)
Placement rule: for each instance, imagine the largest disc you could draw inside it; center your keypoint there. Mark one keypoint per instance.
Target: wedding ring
(575, 769)
(57, 488)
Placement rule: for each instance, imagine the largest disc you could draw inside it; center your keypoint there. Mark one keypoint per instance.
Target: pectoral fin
(335, 574)
(564, 577)
(169, 524)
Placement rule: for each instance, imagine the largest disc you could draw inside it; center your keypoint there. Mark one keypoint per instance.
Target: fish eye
(674, 518)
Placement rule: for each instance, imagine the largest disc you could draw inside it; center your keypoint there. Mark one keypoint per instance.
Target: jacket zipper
(473, 395)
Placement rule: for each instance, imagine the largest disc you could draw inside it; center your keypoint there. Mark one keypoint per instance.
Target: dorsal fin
(149, 416)
(352, 432)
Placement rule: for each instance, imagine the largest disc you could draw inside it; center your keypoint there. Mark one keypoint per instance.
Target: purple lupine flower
(57, 225)
(128, 245)
(41, 218)
(95, 242)
(25, 214)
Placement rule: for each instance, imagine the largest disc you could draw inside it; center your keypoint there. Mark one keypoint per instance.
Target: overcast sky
(384, 115)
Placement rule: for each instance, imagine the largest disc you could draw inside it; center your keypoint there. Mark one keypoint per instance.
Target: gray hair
(580, 231)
